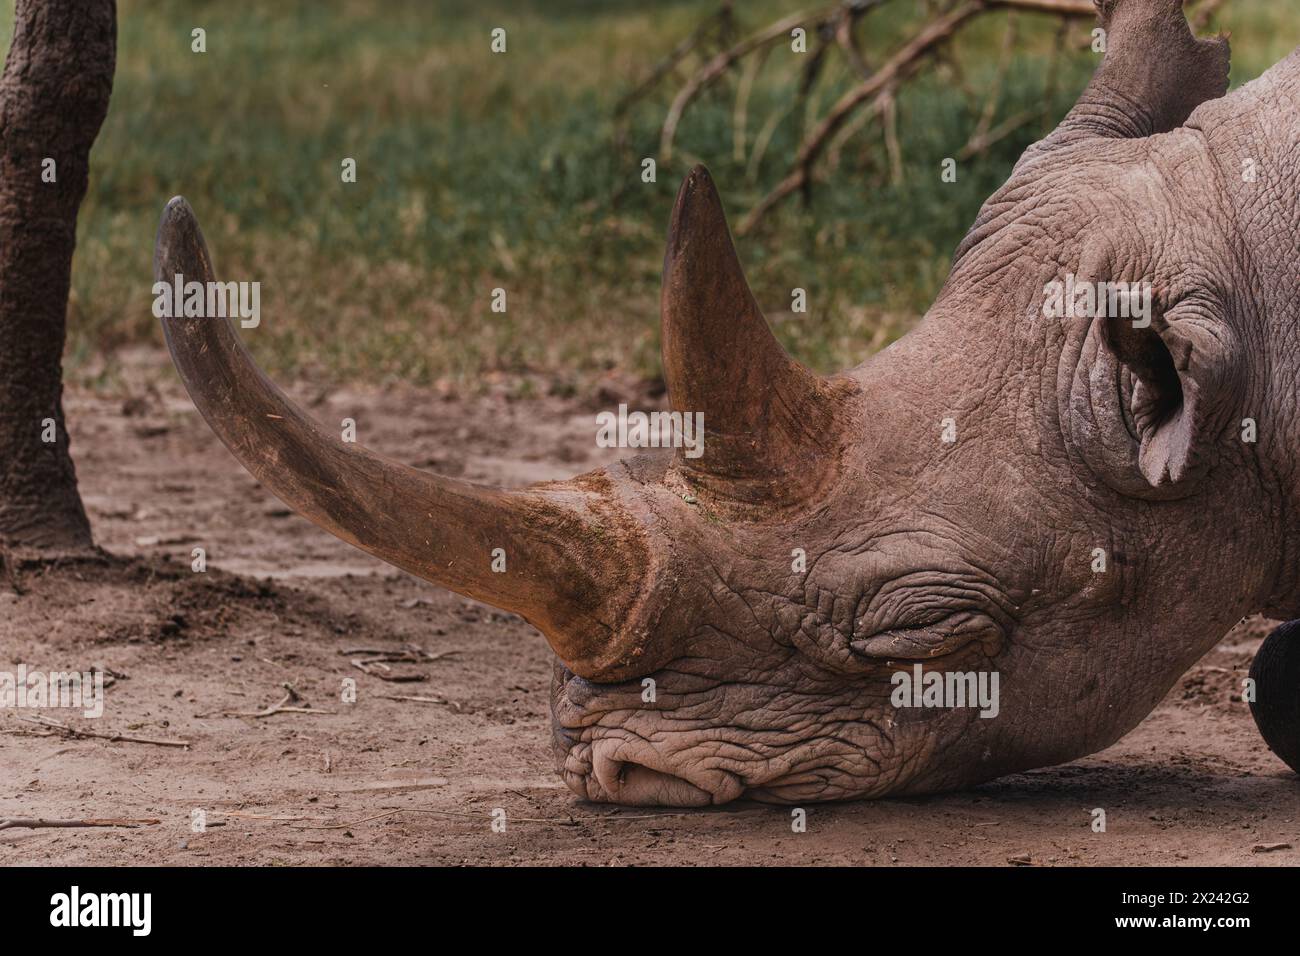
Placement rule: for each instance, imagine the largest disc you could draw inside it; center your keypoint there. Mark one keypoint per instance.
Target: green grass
(479, 170)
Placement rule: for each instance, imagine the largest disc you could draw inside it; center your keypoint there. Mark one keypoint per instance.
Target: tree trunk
(53, 97)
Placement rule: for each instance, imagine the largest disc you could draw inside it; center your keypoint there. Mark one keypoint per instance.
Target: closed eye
(925, 640)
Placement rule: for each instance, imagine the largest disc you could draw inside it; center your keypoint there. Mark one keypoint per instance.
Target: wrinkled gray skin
(1071, 435)
(698, 662)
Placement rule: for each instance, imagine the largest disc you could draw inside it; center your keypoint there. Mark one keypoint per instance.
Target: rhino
(1077, 506)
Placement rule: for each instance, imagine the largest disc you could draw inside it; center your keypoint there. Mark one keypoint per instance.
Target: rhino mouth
(619, 767)
(625, 759)
(722, 741)
(622, 772)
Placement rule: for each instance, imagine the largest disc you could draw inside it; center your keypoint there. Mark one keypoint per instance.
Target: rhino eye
(925, 638)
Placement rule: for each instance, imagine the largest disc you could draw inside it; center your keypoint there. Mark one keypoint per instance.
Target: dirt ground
(281, 602)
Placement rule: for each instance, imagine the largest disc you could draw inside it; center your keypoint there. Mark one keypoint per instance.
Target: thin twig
(740, 115)
(376, 664)
(414, 700)
(678, 53)
(60, 729)
(31, 823)
(889, 114)
(851, 129)
(999, 78)
(291, 697)
(1004, 129)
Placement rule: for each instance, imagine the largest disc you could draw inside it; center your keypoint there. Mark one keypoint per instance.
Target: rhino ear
(1159, 397)
(1155, 72)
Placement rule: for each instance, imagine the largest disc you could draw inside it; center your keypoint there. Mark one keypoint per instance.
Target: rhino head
(1067, 505)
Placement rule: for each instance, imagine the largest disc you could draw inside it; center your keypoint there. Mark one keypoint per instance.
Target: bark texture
(53, 98)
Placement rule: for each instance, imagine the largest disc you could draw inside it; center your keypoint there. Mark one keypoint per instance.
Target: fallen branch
(60, 729)
(21, 823)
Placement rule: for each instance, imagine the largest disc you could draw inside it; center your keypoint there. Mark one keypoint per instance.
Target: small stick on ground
(60, 729)
(291, 697)
(411, 655)
(376, 665)
(417, 700)
(21, 823)
(369, 667)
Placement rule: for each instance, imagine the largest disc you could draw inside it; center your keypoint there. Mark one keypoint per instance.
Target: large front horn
(769, 423)
(574, 558)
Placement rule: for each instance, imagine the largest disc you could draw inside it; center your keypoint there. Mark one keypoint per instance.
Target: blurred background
(523, 171)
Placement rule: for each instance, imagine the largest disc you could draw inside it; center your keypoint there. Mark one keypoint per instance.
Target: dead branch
(59, 729)
(876, 88)
(716, 67)
(847, 40)
(890, 72)
(717, 21)
(30, 823)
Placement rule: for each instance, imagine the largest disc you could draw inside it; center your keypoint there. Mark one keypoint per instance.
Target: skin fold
(1067, 503)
